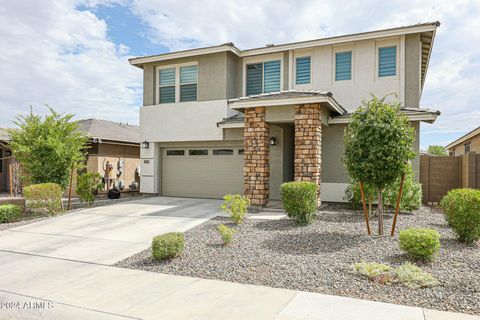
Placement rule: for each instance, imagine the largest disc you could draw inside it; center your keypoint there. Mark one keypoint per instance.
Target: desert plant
(168, 245)
(299, 199)
(226, 233)
(378, 144)
(236, 206)
(414, 277)
(420, 243)
(462, 211)
(371, 270)
(87, 184)
(47, 147)
(10, 213)
(44, 196)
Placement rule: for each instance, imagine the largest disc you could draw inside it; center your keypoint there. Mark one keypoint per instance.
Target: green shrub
(44, 196)
(414, 277)
(168, 245)
(236, 206)
(462, 211)
(300, 200)
(87, 184)
(226, 233)
(10, 213)
(419, 243)
(411, 196)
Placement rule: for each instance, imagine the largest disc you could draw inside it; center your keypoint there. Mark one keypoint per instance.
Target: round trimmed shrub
(10, 213)
(300, 200)
(419, 243)
(168, 245)
(462, 211)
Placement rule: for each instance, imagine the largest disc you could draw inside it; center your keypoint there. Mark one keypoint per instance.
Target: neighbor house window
(302, 70)
(167, 85)
(387, 61)
(177, 83)
(263, 77)
(343, 66)
(188, 83)
(467, 147)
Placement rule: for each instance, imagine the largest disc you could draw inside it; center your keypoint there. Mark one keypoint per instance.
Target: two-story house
(221, 120)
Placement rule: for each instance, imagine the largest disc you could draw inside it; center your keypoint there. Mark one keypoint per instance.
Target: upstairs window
(263, 77)
(387, 61)
(467, 147)
(302, 70)
(188, 83)
(167, 85)
(177, 83)
(343, 66)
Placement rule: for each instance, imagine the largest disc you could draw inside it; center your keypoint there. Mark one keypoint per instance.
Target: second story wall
(212, 77)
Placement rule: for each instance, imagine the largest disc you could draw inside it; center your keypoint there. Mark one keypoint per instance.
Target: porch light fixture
(145, 144)
(273, 141)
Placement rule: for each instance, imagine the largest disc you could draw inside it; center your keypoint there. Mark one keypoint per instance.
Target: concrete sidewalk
(60, 269)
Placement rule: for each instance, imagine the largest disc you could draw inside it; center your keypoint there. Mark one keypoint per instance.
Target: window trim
(385, 43)
(340, 49)
(262, 59)
(177, 80)
(295, 70)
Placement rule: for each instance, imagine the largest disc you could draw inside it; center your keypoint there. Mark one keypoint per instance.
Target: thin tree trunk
(380, 213)
(370, 201)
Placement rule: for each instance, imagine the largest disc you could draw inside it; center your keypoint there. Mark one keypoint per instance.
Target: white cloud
(453, 77)
(54, 54)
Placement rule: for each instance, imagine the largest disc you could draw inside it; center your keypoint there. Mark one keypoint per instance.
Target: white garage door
(202, 172)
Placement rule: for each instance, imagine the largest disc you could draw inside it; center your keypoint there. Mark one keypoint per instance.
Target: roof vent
(230, 44)
(269, 45)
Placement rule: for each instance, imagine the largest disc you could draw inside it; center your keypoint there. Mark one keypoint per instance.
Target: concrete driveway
(105, 235)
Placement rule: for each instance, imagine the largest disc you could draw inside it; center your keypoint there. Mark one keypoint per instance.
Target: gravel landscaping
(318, 258)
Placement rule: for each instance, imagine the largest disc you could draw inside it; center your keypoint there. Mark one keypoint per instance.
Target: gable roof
(464, 138)
(109, 130)
(427, 31)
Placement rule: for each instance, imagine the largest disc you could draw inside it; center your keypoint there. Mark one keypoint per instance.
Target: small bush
(462, 211)
(226, 233)
(44, 196)
(300, 200)
(371, 270)
(407, 274)
(10, 213)
(414, 277)
(236, 206)
(419, 243)
(87, 184)
(168, 245)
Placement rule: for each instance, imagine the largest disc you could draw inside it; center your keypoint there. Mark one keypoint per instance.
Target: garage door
(202, 172)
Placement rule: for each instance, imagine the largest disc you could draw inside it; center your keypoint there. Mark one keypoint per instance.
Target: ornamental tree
(436, 151)
(378, 145)
(47, 147)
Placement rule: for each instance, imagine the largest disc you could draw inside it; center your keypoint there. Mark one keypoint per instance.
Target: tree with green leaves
(436, 151)
(47, 147)
(378, 146)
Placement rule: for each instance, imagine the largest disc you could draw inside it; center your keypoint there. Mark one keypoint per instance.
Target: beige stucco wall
(212, 77)
(333, 170)
(459, 149)
(413, 55)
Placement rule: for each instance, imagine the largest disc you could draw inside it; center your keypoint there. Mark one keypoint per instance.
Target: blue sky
(73, 54)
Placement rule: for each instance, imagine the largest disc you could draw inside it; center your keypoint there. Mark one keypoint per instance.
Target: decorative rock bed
(318, 258)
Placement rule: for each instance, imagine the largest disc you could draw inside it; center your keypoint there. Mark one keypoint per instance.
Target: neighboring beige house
(221, 120)
(464, 144)
(112, 142)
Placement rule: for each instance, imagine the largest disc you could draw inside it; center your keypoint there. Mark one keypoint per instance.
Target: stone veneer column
(256, 171)
(308, 144)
